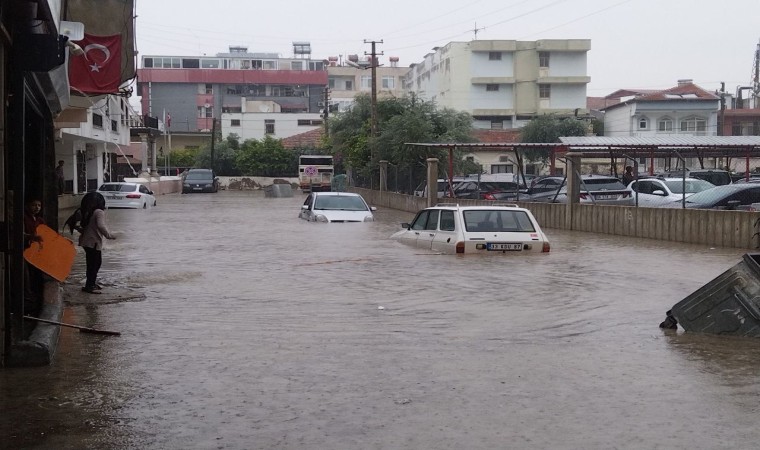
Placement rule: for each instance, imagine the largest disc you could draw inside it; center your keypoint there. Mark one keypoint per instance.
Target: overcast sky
(646, 44)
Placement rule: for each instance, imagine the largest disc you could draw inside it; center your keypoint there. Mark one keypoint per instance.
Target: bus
(315, 172)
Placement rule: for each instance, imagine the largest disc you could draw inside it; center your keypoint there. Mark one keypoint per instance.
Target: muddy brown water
(254, 329)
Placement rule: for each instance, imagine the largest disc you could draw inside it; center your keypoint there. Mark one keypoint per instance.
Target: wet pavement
(246, 328)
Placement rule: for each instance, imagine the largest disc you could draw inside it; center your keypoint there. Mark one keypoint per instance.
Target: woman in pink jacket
(93, 229)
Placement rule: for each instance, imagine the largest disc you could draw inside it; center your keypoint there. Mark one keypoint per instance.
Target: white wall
(567, 64)
(568, 96)
(481, 66)
(480, 98)
(253, 125)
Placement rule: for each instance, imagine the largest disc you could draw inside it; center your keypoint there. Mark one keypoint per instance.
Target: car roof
(456, 206)
(351, 194)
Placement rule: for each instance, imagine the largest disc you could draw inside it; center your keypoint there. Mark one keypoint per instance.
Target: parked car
(127, 195)
(336, 207)
(443, 187)
(728, 197)
(454, 229)
(715, 176)
(656, 191)
(601, 189)
(200, 180)
(487, 190)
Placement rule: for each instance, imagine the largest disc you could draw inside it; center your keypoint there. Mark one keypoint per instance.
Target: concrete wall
(694, 226)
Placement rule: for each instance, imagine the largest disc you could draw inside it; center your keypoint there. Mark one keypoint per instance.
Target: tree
(184, 157)
(549, 128)
(265, 158)
(224, 156)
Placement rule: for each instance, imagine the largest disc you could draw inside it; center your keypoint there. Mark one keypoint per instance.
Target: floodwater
(260, 331)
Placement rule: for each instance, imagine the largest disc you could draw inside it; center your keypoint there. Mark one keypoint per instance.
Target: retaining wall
(740, 229)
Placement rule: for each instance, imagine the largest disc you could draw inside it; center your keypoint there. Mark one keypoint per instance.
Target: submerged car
(200, 180)
(657, 191)
(336, 207)
(454, 229)
(127, 195)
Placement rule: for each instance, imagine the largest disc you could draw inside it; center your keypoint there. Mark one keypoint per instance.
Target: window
(97, 120)
(693, 125)
(492, 87)
(349, 85)
(543, 59)
(494, 56)
(502, 168)
(256, 64)
(114, 126)
(331, 83)
(497, 124)
(209, 89)
(302, 122)
(447, 220)
(544, 91)
(269, 126)
(296, 65)
(270, 65)
(235, 122)
(189, 63)
(643, 123)
(209, 63)
(665, 124)
(366, 81)
(204, 112)
(148, 63)
(389, 82)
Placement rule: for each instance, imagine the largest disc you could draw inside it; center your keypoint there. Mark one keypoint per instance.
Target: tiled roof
(491, 136)
(309, 139)
(680, 92)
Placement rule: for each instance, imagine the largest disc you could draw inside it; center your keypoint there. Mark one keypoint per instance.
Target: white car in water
(663, 191)
(336, 207)
(127, 195)
(454, 229)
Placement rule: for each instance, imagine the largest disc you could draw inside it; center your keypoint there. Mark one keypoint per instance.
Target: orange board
(54, 256)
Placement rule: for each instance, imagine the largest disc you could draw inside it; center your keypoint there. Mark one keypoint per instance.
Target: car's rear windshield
(340, 202)
(202, 175)
(602, 184)
(497, 220)
(692, 186)
(117, 188)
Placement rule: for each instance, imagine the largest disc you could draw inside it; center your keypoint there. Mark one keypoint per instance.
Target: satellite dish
(207, 105)
(264, 108)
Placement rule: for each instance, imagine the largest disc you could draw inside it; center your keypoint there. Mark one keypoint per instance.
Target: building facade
(504, 83)
(353, 76)
(196, 91)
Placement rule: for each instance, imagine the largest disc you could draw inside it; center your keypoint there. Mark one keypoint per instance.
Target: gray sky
(646, 44)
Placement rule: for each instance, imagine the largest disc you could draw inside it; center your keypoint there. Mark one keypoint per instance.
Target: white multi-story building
(353, 76)
(505, 83)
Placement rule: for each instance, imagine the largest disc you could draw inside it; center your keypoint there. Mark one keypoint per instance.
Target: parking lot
(260, 330)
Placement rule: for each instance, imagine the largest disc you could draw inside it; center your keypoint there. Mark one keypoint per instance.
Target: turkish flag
(98, 71)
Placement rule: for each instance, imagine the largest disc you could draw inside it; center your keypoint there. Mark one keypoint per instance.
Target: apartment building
(505, 83)
(353, 75)
(249, 94)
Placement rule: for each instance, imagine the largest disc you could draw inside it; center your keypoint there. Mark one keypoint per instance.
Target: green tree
(225, 152)
(549, 128)
(266, 158)
(184, 157)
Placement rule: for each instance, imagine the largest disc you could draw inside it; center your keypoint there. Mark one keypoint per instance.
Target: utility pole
(326, 102)
(213, 139)
(373, 101)
(722, 116)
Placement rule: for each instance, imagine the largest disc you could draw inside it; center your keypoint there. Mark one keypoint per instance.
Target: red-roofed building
(309, 139)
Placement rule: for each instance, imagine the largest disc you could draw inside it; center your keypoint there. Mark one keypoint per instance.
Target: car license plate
(504, 247)
(606, 197)
(197, 188)
(113, 197)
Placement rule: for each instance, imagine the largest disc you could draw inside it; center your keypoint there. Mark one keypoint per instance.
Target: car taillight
(133, 195)
(546, 247)
(626, 194)
(489, 197)
(460, 247)
(583, 196)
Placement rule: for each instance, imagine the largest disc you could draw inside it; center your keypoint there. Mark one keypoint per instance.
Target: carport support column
(144, 154)
(573, 187)
(383, 176)
(432, 181)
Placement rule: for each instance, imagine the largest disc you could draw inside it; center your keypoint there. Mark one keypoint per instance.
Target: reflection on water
(259, 330)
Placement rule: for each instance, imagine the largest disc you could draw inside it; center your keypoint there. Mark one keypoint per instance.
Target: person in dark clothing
(628, 176)
(93, 229)
(59, 177)
(32, 275)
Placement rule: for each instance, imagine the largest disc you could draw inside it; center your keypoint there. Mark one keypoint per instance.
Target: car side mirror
(373, 208)
(304, 206)
(659, 192)
(150, 192)
(405, 225)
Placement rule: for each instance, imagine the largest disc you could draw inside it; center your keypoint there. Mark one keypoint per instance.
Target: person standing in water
(93, 229)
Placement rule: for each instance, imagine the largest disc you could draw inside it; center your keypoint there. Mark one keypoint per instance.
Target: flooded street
(258, 330)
